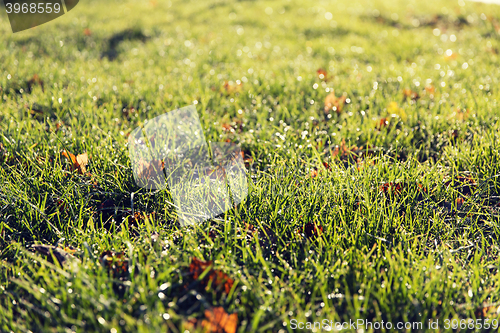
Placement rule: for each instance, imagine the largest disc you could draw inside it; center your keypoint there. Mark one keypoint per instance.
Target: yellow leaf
(394, 109)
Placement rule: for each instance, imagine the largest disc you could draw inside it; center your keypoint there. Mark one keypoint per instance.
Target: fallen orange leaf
(227, 128)
(384, 122)
(486, 312)
(395, 188)
(452, 56)
(219, 321)
(322, 74)
(408, 93)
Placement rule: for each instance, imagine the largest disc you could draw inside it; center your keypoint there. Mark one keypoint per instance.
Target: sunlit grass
(427, 250)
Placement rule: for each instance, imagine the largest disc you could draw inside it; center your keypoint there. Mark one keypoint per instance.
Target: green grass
(407, 255)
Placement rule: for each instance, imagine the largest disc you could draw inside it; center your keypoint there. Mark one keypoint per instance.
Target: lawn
(370, 135)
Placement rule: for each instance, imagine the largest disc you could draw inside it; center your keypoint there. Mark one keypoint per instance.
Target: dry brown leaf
(3, 153)
(60, 254)
(334, 103)
(35, 80)
(265, 236)
(79, 161)
(247, 157)
(129, 112)
(346, 153)
(151, 169)
(227, 128)
(116, 263)
(459, 114)
(466, 185)
(214, 277)
(233, 87)
(310, 230)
